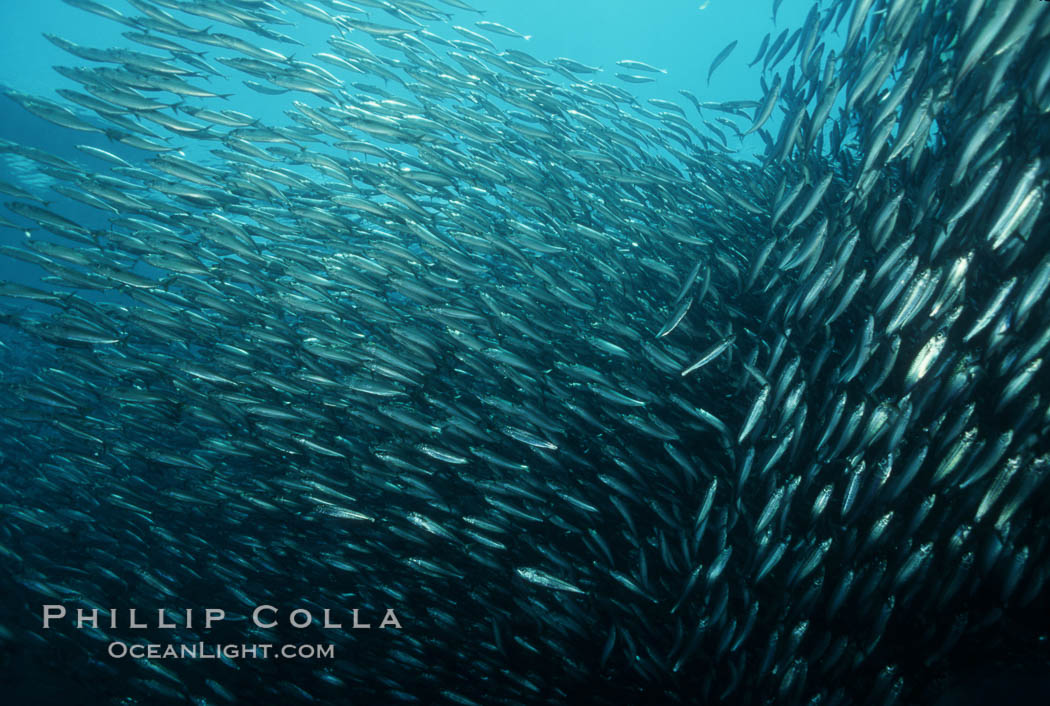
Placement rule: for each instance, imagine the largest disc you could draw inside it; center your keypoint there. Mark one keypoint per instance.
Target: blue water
(679, 37)
(674, 35)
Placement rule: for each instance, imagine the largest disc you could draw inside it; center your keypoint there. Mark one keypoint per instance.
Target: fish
(497, 28)
(609, 401)
(763, 113)
(761, 51)
(710, 355)
(635, 78)
(719, 58)
(632, 65)
(546, 580)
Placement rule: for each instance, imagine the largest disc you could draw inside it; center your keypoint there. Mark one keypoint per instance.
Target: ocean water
(459, 379)
(682, 38)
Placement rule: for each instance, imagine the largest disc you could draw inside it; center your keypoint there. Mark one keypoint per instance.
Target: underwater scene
(498, 352)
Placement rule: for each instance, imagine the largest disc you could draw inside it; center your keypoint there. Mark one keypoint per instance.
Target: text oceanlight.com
(171, 621)
(201, 650)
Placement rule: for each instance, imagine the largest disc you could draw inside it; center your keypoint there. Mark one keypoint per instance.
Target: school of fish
(607, 412)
